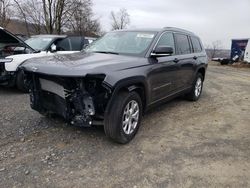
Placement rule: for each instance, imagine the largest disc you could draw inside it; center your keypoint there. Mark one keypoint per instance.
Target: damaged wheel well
(140, 89)
(136, 87)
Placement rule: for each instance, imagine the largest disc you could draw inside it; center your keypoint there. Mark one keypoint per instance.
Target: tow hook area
(83, 108)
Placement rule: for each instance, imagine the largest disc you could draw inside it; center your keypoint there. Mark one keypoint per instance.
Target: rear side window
(182, 44)
(167, 39)
(196, 44)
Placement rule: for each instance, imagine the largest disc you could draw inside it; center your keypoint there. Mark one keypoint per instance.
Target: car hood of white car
(18, 60)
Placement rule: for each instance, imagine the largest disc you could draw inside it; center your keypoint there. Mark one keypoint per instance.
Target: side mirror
(53, 48)
(162, 51)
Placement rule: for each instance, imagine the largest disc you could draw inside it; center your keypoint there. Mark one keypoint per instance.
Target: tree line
(51, 16)
(58, 16)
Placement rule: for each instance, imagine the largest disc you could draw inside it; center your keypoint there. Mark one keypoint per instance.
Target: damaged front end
(80, 101)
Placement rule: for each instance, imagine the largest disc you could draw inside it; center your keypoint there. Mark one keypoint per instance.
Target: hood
(9, 39)
(80, 64)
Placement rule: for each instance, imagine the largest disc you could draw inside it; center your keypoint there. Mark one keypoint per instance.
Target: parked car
(36, 46)
(10, 45)
(58, 43)
(118, 77)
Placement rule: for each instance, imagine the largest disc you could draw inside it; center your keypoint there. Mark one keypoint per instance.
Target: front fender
(128, 84)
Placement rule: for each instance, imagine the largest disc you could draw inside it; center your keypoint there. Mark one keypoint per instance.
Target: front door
(163, 72)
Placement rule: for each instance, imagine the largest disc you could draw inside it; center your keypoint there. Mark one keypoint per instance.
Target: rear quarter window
(182, 44)
(196, 44)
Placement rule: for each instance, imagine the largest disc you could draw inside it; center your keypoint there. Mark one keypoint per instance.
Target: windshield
(39, 43)
(122, 42)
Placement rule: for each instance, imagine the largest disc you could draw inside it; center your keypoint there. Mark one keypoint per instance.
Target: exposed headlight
(6, 60)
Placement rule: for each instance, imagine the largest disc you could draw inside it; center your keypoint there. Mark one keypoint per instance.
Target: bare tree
(30, 13)
(214, 49)
(4, 12)
(57, 16)
(82, 21)
(120, 19)
(49, 14)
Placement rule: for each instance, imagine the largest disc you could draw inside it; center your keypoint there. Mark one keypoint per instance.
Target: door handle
(176, 60)
(195, 57)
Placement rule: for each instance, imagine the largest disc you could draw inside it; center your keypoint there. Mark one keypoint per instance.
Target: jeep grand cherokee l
(118, 77)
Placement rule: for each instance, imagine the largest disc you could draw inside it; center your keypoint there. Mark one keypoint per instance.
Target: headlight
(6, 60)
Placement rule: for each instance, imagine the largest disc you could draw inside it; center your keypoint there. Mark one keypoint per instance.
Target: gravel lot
(180, 144)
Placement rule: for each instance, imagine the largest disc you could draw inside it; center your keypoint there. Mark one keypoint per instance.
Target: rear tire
(197, 87)
(20, 82)
(122, 121)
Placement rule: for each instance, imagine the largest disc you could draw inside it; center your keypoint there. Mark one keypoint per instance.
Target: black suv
(117, 78)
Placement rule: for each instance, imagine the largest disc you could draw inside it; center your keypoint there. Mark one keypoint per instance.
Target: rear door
(198, 56)
(185, 61)
(163, 73)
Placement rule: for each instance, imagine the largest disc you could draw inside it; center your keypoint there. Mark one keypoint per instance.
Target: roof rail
(179, 29)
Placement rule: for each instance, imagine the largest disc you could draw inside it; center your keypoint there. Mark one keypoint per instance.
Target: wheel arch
(137, 84)
(202, 70)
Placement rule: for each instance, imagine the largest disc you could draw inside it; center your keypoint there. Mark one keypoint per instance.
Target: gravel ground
(180, 144)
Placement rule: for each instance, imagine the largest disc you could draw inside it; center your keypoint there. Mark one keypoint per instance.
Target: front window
(123, 42)
(39, 43)
(167, 39)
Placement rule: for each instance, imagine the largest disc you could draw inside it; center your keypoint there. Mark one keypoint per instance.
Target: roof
(242, 39)
(53, 36)
(160, 30)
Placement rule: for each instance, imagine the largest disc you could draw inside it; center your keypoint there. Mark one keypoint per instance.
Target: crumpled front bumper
(54, 95)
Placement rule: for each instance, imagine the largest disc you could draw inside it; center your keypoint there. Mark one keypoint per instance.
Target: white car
(14, 52)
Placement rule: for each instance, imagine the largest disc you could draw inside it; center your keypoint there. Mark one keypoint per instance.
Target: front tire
(197, 87)
(122, 121)
(20, 82)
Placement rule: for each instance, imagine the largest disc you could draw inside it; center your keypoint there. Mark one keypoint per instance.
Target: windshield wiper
(106, 52)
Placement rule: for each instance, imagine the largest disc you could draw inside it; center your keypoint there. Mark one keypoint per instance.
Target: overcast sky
(212, 19)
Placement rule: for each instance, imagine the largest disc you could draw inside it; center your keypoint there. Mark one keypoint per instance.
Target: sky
(211, 20)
